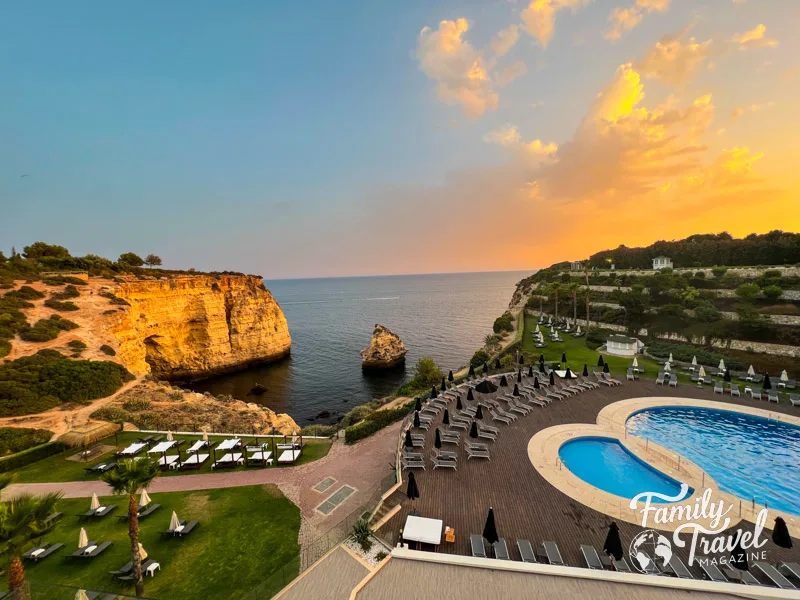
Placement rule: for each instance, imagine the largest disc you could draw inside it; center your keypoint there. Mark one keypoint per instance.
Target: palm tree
(129, 477)
(586, 274)
(555, 287)
(22, 519)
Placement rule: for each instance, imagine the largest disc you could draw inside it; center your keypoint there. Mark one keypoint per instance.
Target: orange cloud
(674, 60)
(509, 74)
(755, 38)
(624, 19)
(539, 18)
(505, 40)
(510, 137)
(741, 110)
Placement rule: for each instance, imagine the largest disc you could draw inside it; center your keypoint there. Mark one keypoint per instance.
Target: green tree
(2, 257)
(719, 272)
(635, 303)
(428, 372)
(127, 479)
(689, 296)
(772, 292)
(130, 259)
(39, 250)
(152, 261)
(480, 357)
(22, 519)
(748, 291)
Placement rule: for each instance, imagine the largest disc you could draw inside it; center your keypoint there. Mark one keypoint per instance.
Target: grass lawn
(57, 468)
(244, 535)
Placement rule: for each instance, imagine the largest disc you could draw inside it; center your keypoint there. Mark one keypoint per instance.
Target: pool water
(748, 456)
(606, 464)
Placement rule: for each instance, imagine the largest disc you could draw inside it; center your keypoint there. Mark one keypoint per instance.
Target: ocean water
(442, 316)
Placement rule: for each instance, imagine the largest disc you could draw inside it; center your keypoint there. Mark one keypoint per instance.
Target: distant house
(662, 262)
(622, 345)
(576, 266)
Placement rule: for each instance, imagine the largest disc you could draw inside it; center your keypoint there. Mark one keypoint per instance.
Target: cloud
(505, 40)
(539, 18)
(509, 74)
(536, 104)
(625, 18)
(755, 38)
(741, 110)
(675, 60)
(507, 135)
(537, 147)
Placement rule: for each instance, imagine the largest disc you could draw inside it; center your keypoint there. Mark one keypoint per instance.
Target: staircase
(388, 508)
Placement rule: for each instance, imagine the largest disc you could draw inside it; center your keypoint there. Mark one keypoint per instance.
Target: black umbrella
(496, 363)
(563, 357)
(446, 417)
(413, 491)
(438, 441)
(516, 390)
(473, 431)
(470, 395)
(780, 534)
(585, 370)
(530, 371)
(485, 368)
(522, 359)
(434, 393)
(767, 382)
(486, 387)
(541, 367)
(605, 368)
(536, 383)
(479, 413)
(471, 371)
(600, 362)
(490, 529)
(568, 374)
(738, 557)
(541, 359)
(727, 376)
(459, 406)
(418, 404)
(519, 376)
(613, 545)
(416, 418)
(503, 381)
(552, 378)
(444, 385)
(408, 443)
(450, 377)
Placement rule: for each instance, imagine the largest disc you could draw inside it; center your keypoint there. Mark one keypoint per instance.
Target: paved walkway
(362, 466)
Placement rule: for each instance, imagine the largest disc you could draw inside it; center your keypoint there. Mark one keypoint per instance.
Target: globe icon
(650, 552)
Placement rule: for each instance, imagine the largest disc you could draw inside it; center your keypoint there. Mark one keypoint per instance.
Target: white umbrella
(81, 595)
(721, 366)
(174, 521)
(83, 539)
(142, 552)
(667, 367)
(169, 436)
(95, 503)
(635, 363)
(694, 361)
(537, 328)
(205, 436)
(784, 376)
(670, 358)
(144, 500)
(701, 373)
(751, 371)
(578, 330)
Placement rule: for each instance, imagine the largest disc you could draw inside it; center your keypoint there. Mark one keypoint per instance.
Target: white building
(622, 345)
(662, 262)
(576, 266)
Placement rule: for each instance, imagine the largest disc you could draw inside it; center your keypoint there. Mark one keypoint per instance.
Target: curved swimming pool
(748, 456)
(606, 464)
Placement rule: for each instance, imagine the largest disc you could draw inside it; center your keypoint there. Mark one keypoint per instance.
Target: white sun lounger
(162, 447)
(261, 455)
(133, 449)
(228, 444)
(198, 445)
(195, 459)
(229, 459)
(170, 461)
(289, 456)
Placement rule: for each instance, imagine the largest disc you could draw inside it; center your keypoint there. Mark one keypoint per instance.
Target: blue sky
(306, 139)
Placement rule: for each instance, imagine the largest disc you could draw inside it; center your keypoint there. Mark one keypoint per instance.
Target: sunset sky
(324, 139)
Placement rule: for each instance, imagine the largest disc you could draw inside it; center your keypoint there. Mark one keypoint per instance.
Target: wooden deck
(526, 506)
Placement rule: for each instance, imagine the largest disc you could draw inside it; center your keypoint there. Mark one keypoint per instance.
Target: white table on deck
(424, 530)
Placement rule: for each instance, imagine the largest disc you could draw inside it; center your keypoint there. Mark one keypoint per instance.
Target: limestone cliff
(386, 350)
(192, 327)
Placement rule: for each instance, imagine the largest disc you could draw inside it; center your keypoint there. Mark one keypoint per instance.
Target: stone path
(362, 466)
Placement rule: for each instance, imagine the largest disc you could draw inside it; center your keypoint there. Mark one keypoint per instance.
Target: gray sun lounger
(487, 435)
(526, 551)
(673, 381)
(96, 552)
(478, 454)
(711, 571)
(718, 389)
(551, 552)
(774, 575)
(677, 568)
(591, 557)
(477, 547)
(621, 566)
(50, 549)
(790, 569)
(772, 396)
(497, 417)
(446, 455)
(744, 577)
(413, 464)
(444, 463)
(734, 390)
(129, 576)
(501, 550)
(794, 399)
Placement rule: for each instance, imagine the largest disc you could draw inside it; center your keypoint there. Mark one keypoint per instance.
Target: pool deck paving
(526, 505)
(333, 576)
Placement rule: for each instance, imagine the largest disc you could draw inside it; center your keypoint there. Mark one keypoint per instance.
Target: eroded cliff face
(192, 327)
(386, 350)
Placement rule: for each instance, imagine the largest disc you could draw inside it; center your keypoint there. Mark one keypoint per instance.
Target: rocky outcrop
(191, 327)
(386, 350)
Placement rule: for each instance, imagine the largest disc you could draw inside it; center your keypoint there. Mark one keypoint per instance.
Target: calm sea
(331, 320)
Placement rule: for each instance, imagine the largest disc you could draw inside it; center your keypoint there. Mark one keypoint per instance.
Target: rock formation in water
(191, 327)
(385, 350)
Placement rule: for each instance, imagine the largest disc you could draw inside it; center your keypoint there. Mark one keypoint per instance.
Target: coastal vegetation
(45, 330)
(17, 439)
(426, 375)
(503, 323)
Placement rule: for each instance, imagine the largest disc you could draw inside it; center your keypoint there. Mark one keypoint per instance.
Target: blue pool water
(606, 464)
(748, 456)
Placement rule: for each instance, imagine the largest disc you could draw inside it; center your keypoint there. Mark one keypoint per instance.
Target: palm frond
(130, 476)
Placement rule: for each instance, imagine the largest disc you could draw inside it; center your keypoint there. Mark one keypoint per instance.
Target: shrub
(16, 439)
(480, 357)
(748, 291)
(114, 299)
(505, 322)
(362, 534)
(69, 292)
(47, 379)
(772, 292)
(375, 421)
(596, 337)
(29, 456)
(26, 292)
(111, 413)
(76, 345)
(5, 348)
(700, 275)
(427, 374)
(47, 329)
(719, 272)
(58, 305)
(380, 556)
(108, 350)
(685, 352)
(137, 404)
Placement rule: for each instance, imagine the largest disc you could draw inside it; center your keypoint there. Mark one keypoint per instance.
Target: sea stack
(386, 350)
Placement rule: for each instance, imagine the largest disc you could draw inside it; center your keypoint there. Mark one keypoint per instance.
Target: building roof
(622, 339)
(662, 257)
